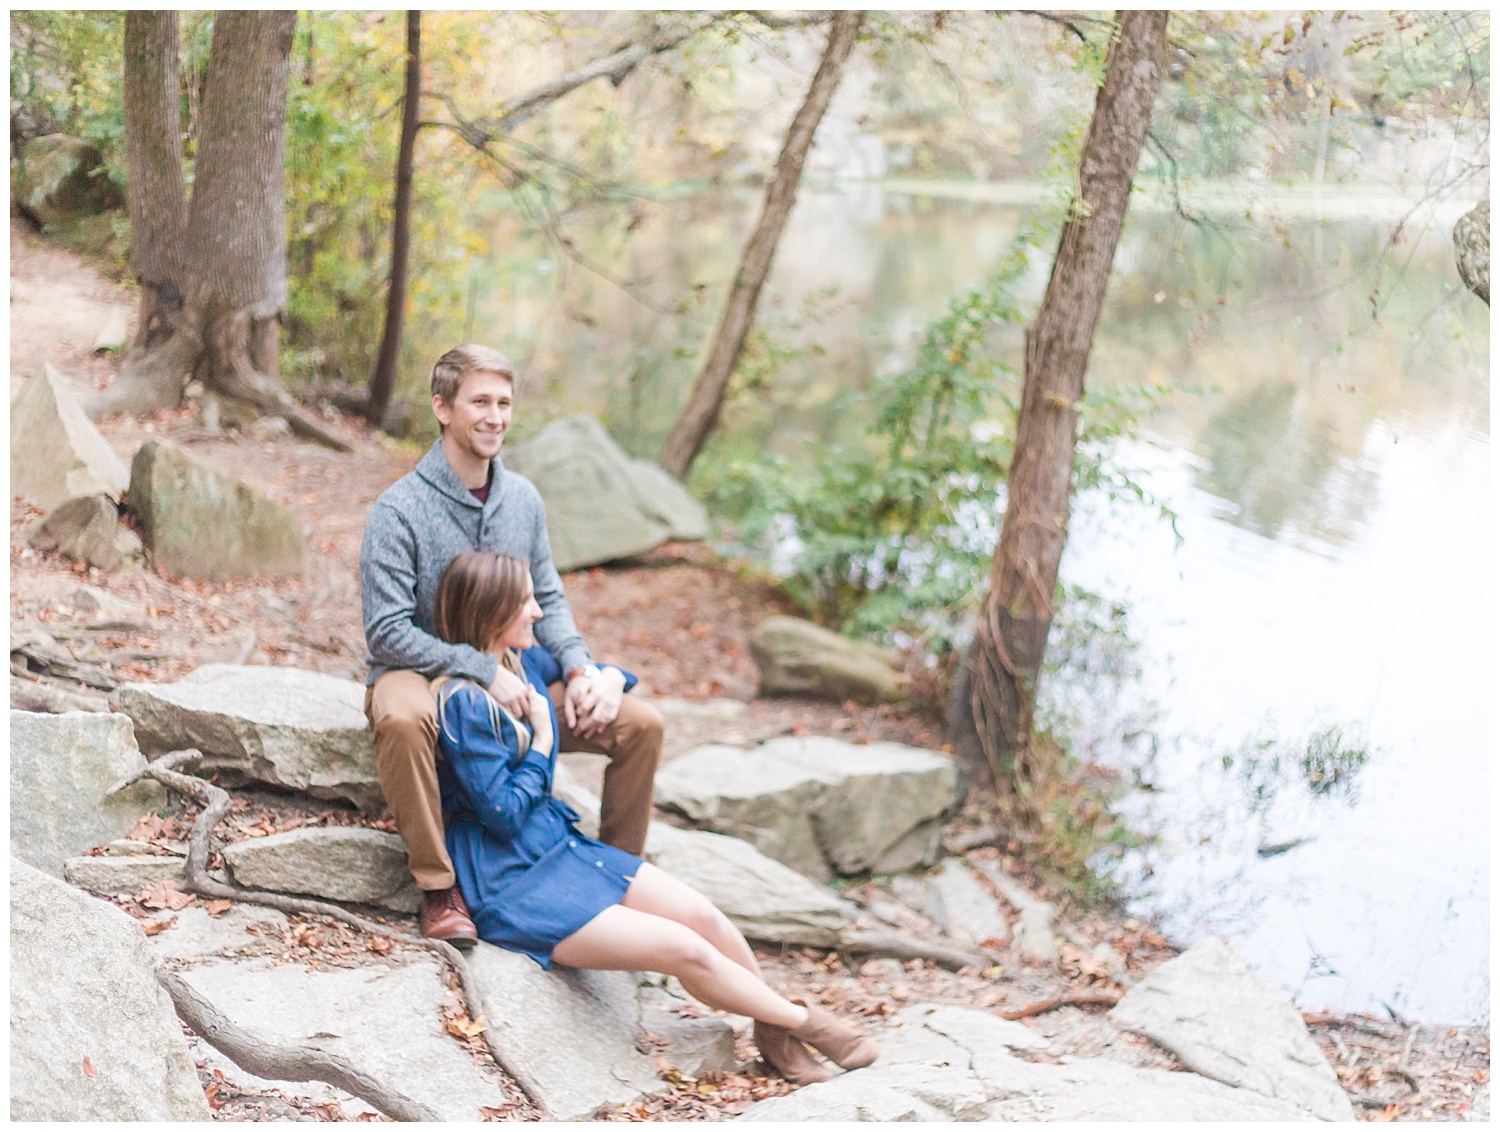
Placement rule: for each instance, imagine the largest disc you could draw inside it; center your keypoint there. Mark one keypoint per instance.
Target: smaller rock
(966, 909)
(1035, 936)
(798, 658)
(354, 865)
(197, 522)
(114, 333)
(56, 453)
(60, 769)
(94, 602)
(86, 529)
(1220, 1020)
(121, 876)
(697, 1041)
(61, 178)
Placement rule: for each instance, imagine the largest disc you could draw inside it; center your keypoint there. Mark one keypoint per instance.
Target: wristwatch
(590, 670)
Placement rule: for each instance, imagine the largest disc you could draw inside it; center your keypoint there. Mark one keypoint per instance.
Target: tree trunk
(1471, 247)
(232, 247)
(1011, 638)
(153, 163)
(701, 415)
(384, 380)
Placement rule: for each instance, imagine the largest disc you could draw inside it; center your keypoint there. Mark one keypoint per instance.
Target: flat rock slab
(944, 1063)
(283, 726)
(601, 504)
(762, 897)
(60, 767)
(820, 806)
(1035, 935)
(1220, 1020)
(798, 658)
(191, 933)
(573, 1034)
(122, 876)
(358, 866)
(965, 907)
(385, 1016)
(93, 1036)
(197, 522)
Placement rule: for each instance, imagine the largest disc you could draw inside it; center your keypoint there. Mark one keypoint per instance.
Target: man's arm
(556, 631)
(388, 597)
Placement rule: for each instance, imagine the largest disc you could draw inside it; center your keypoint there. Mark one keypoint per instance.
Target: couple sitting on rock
(478, 673)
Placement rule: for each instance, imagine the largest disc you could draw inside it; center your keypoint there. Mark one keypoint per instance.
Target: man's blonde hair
(449, 370)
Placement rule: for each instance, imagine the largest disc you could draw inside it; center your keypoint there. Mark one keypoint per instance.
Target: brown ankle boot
(445, 916)
(838, 1041)
(788, 1056)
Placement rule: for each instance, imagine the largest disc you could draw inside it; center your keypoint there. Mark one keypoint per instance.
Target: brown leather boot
(788, 1056)
(838, 1041)
(445, 916)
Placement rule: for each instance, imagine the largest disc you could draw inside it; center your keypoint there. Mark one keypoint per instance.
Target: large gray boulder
(60, 178)
(60, 767)
(87, 529)
(1035, 935)
(55, 451)
(360, 866)
(946, 1063)
(965, 907)
(574, 1034)
(93, 1035)
(601, 504)
(820, 806)
(798, 658)
(1219, 1019)
(197, 522)
(285, 727)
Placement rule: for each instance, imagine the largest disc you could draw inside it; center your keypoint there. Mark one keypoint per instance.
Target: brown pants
(404, 717)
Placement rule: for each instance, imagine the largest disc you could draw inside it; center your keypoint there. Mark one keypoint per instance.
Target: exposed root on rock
(1058, 1001)
(215, 802)
(897, 945)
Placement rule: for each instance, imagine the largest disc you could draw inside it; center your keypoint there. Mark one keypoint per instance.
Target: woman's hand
(539, 715)
(592, 703)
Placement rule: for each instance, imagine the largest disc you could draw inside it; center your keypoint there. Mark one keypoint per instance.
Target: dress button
(572, 845)
(599, 863)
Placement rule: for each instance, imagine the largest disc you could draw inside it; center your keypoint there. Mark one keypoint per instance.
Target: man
(461, 498)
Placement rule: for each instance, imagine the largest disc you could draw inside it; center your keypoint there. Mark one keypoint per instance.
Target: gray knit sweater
(421, 523)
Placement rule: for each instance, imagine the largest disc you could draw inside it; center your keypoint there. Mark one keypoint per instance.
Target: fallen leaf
(381, 944)
(164, 894)
(88, 1069)
(156, 927)
(217, 908)
(464, 1027)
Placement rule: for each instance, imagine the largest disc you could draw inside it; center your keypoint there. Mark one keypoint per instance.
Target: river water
(1332, 492)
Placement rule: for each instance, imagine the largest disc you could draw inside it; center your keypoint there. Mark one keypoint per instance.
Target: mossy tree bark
(1010, 643)
(223, 253)
(1471, 247)
(701, 414)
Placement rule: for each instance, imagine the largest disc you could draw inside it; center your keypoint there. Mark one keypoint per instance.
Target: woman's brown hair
(479, 594)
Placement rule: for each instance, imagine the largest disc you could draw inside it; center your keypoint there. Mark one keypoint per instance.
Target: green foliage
(65, 72)
(1326, 765)
(894, 536)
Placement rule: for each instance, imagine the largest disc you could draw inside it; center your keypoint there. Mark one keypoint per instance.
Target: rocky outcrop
(1035, 933)
(1220, 1020)
(1471, 249)
(60, 767)
(818, 805)
(601, 504)
(55, 451)
(87, 529)
(206, 525)
(798, 658)
(59, 178)
(945, 1063)
(358, 866)
(93, 1037)
(282, 726)
(965, 907)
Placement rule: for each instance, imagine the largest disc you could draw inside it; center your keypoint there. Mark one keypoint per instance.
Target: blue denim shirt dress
(529, 877)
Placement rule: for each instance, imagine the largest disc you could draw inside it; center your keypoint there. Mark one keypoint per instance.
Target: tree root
(215, 802)
(150, 380)
(897, 945)
(40, 694)
(285, 1063)
(1058, 1001)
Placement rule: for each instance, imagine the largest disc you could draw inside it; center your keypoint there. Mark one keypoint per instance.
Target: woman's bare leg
(622, 938)
(662, 894)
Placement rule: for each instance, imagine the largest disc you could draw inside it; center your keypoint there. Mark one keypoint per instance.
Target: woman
(534, 884)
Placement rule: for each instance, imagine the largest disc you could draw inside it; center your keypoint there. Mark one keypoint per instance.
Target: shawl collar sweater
(420, 524)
